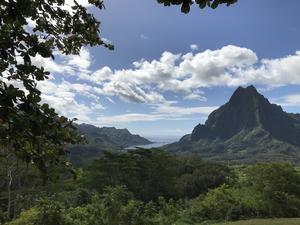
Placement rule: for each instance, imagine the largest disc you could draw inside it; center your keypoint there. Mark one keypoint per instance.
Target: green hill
(100, 139)
(247, 129)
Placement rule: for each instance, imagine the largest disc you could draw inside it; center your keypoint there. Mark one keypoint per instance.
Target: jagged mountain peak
(248, 98)
(241, 94)
(248, 109)
(247, 129)
(249, 89)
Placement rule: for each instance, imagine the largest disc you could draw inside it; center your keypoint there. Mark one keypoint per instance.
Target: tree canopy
(186, 4)
(29, 129)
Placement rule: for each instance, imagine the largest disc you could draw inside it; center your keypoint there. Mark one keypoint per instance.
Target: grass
(294, 221)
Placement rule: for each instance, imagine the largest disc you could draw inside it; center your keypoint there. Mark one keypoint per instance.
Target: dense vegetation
(153, 187)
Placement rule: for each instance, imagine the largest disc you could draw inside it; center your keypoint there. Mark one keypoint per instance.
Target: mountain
(247, 129)
(99, 139)
(121, 138)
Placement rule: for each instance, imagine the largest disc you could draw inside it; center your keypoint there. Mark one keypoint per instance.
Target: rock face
(246, 110)
(248, 125)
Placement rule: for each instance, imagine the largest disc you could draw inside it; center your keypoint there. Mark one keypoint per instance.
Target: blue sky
(170, 70)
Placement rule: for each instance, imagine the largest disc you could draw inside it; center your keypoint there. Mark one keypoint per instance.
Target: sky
(169, 70)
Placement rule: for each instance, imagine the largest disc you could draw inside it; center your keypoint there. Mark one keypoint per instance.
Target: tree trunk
(9, 183)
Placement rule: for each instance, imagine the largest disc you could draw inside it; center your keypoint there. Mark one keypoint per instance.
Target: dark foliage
(153, 173)
(186, 4)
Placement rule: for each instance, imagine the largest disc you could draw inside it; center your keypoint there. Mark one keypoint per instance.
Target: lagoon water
(157, 142)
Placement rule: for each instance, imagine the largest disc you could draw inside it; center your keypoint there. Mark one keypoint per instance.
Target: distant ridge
(248, 128)
(102, 138)
(121, 138)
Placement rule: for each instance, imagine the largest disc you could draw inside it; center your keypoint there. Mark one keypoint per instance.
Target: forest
(149, 187)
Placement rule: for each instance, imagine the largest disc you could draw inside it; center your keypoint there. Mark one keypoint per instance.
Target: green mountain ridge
(101, 139)
(247, 129)
(120, 137)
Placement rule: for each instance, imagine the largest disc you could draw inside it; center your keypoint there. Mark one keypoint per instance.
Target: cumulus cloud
(272, 72)
(81, 61)
(148, 81)
(66, 65)
(66, 105)
(64, 97)
(180, 73)
(188, 73)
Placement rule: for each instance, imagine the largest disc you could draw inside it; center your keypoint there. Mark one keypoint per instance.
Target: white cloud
(179, 111)
(172, 72)
(50, 65)
(81, 61)
(64, 97)
(273, 72)
(194, 47)
(72, 65)
(161, 112)
(230, 66)
(178, 73)
(195, 96)
(148, 81)
(69, 3)
(66, 105)
(131, 93)
(84, 3)
(129, 117)
(289, 100)
(110, 100)
(104, 74)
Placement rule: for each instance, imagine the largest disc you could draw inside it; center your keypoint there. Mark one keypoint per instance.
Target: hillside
(295, 116)
(99, 139)
(247, 129)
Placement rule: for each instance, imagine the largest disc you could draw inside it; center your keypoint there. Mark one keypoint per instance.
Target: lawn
(295, 221)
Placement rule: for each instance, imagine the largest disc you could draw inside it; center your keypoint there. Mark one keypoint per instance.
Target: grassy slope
(295, 221)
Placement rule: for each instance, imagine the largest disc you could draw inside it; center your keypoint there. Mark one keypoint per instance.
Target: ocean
(157, 142)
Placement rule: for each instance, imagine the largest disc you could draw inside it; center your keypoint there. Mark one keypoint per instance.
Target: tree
(29, 129)
(186, 4)
(222, 203)
(276, 188)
